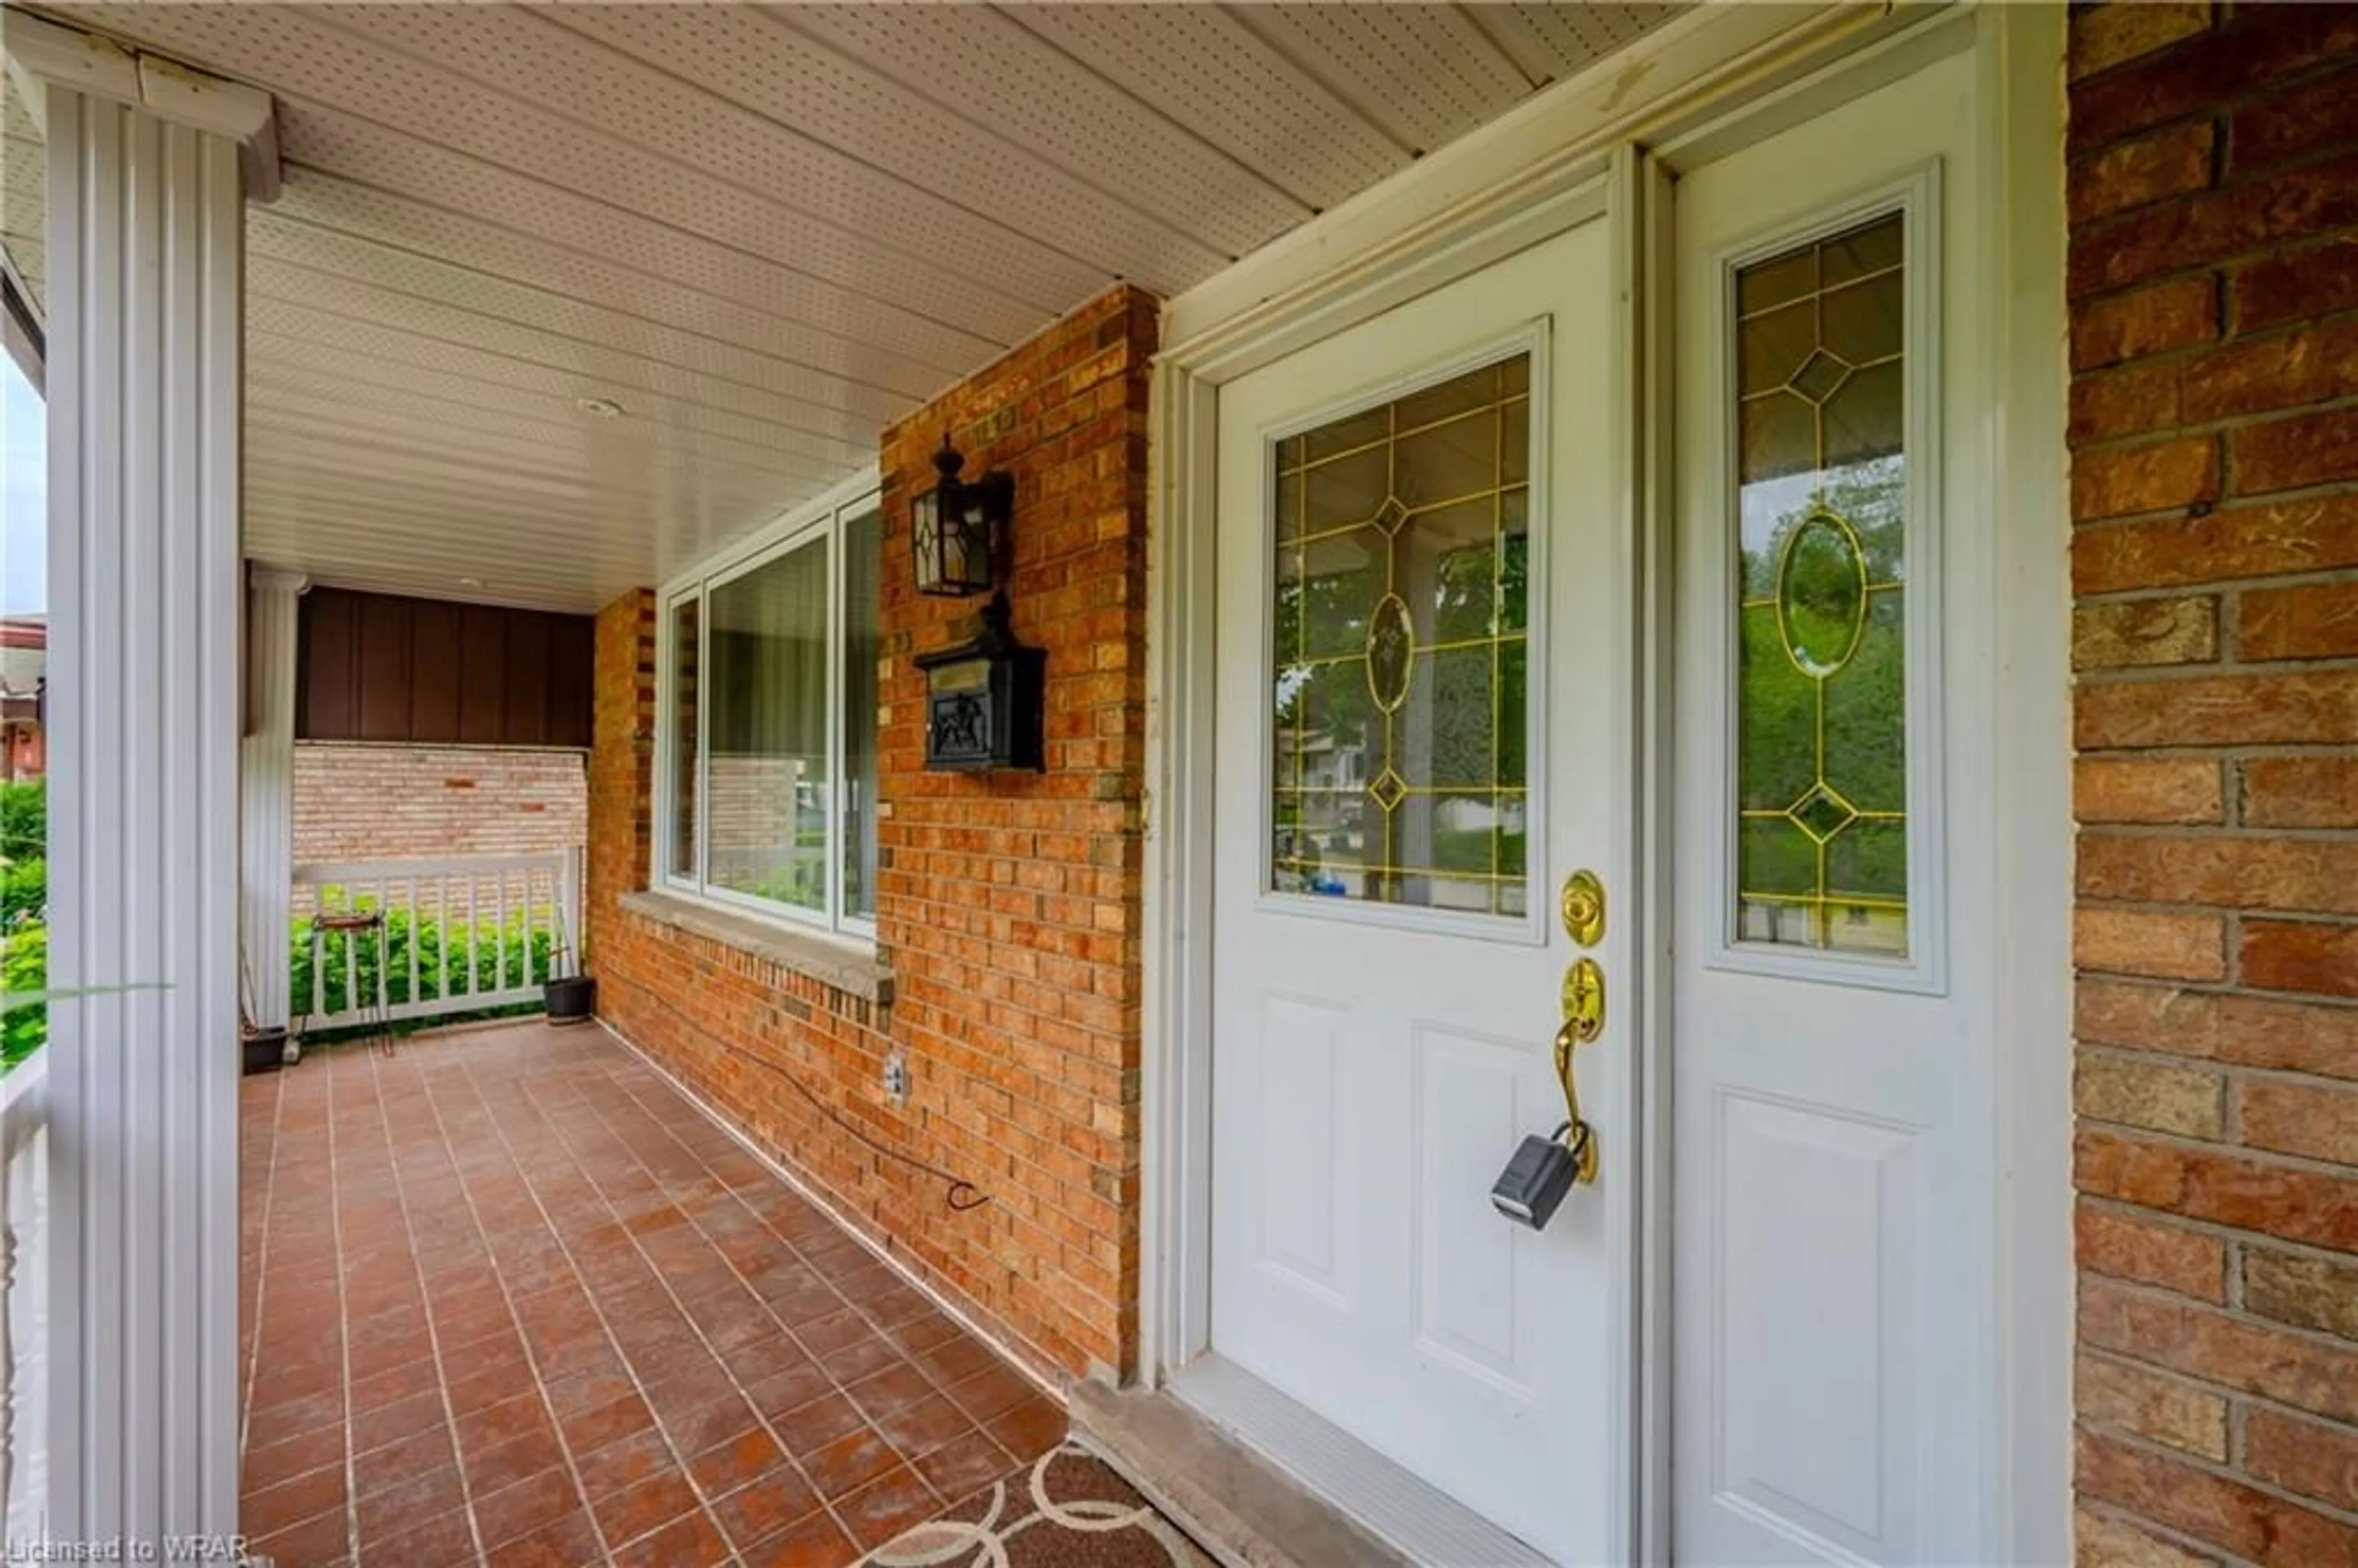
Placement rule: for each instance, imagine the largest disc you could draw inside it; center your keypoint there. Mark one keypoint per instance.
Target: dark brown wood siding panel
(483, 697)
(528, 714)
(436, 678)
(328, 697)
(378, 667)
(385, 673)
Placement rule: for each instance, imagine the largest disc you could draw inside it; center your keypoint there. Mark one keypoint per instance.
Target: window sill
(828, 960)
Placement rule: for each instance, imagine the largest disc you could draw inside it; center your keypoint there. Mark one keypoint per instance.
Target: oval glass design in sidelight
(1392, 652)
(1821, 595)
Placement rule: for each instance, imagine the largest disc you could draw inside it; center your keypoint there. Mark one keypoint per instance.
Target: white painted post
(146, 320)
(266, 789)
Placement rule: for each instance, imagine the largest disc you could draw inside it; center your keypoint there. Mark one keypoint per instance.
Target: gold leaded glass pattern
(1821, 774)
(1403, 617)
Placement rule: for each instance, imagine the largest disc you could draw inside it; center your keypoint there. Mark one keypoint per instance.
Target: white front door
(1833, 816)
(1422, 627)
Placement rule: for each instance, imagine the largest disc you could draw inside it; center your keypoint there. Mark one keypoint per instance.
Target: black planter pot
(265, 1050)
(573, 999)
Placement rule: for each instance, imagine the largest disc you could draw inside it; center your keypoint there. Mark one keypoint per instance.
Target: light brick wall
(377, 803)
(1008, 906)
(2213, 284)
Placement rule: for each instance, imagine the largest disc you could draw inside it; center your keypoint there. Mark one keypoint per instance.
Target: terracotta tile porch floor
(509, 1299)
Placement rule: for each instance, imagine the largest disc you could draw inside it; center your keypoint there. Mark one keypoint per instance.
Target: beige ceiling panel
(347, 549)
(291, 510)
(598, 119)
(297, 437)
(1424, 72)
(836, 434)
(500, 376)
(404, 501)
(833, 217)
(1198, 65)
(736, 247)
(24, 181)
(303, 498)
(1025, 88)
(482, 245)
(863, 407)
(423, 403)
(784, 77)
(422, 408)
(1553, 41)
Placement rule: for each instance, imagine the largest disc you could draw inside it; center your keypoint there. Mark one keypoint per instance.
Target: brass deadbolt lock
(1584, 908)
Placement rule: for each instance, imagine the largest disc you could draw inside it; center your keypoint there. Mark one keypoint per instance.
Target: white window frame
(818, 524)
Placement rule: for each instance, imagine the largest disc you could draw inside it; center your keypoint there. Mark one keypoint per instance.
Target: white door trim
(1554, 163)
(2021, 88)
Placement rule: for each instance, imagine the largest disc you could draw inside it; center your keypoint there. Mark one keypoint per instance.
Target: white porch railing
(25, 1313)
(456, 935)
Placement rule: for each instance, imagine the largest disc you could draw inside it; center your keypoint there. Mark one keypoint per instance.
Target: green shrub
(444, 962)
(24, 966)
(347, 968)
(23, 820)
(24, 891)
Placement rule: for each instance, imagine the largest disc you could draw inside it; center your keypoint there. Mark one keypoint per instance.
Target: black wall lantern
(959, 527)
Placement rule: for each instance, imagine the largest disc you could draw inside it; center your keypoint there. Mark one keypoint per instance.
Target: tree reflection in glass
(1821, 707)
(1399, 699)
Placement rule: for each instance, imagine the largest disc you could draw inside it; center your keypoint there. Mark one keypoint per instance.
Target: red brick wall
(374, 803)
(2213, 291)
(1008, 906)
(621, 767)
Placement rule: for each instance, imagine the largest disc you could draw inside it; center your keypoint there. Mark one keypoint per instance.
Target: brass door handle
(1578, 1136)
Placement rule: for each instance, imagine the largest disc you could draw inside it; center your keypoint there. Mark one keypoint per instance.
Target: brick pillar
(621, 760)
(2213, 193)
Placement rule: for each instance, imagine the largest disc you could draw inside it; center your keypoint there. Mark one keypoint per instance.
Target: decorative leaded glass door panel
(1400, 613)
(1423, 646)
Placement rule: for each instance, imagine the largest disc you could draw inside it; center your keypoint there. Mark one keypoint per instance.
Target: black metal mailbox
(985, 700)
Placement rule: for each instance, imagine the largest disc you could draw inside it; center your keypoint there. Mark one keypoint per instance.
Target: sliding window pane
(681, 859)
(767, 713)
(863, 646)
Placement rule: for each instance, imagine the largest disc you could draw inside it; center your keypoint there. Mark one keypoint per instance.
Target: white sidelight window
(766, 721)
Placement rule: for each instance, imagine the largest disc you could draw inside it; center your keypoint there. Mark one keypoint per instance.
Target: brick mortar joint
(2188, 1143)
(2236, 1244)
(2230, 1074)
(2209, 429)
(2193, 1546)
(2218, 1470)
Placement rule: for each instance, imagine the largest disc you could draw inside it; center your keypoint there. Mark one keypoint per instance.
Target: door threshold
(1262, 1482)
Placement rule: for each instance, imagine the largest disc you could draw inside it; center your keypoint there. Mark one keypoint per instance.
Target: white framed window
(765, 720)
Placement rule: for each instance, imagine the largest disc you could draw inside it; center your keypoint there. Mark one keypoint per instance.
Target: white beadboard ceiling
(763, 231)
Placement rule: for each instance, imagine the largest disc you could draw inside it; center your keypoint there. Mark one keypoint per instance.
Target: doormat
(1068, 1510)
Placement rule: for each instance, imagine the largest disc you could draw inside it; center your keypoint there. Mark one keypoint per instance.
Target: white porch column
(146, 298)
(266, 788)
